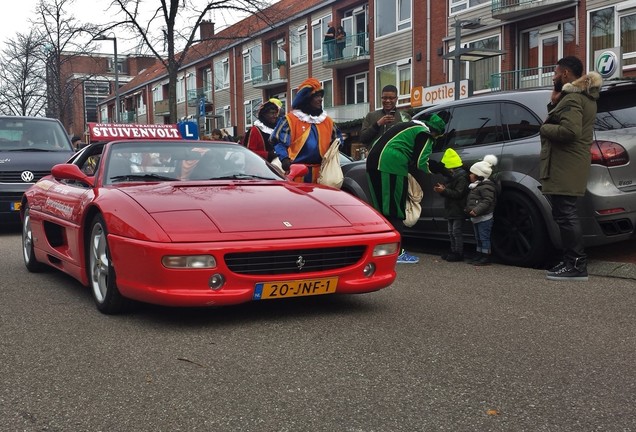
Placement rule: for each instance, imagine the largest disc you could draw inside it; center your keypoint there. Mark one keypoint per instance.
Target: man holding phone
(376, 123)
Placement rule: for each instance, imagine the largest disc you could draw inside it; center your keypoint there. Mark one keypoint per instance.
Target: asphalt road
(448, 347)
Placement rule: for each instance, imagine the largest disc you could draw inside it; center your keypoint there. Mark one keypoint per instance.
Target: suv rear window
(616, 108)
(32, 134)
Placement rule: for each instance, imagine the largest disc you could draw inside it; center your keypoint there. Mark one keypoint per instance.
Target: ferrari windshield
(184, 161)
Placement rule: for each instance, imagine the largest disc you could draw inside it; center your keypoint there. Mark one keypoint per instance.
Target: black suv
(507, 124)
(29, 147)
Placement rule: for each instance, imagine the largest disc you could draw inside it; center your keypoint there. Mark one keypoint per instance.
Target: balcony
(194, 96)
(128, 116)
(269, 75)
(522, 78)
(345, 113)
(162, 107)
(515, 9)
(354, 51)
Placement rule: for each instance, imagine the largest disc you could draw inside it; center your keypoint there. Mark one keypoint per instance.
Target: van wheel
(519, 234)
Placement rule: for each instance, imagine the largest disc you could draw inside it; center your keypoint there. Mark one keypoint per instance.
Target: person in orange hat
(306, 133)
(257, 137)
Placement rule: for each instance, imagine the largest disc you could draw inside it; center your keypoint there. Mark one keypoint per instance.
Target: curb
(612, 269)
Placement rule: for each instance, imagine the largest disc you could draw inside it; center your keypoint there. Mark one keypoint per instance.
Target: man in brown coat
(566, 138)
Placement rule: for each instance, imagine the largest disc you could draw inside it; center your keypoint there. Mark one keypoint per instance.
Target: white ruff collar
(309, 118)
(262, 127)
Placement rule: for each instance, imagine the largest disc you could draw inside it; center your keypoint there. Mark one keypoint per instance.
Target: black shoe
(557, 267)
(454, 257)
(483, 260)
(446, 255)
(568, 272)
(474, 258)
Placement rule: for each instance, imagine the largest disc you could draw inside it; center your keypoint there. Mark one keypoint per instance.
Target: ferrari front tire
(101, 273)
(28, 249)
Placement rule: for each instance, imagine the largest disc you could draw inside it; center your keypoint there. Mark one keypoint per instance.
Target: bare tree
(64, 39)
(22, 83)
(174, 23)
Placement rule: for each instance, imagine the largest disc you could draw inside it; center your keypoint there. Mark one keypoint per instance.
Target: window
(298, 45)
(397, 74)
(221, 74)
(252, 61)
(460, 5)
(318, 30)
(180, 89)
(251, 111)
(157, 94)
(611, 27)
(139, 103)
(392, 16)
(474, 124)
(518, 122)
(207, 84)
(327, 99)
(94, 93)
(222, 115)
(480, 71)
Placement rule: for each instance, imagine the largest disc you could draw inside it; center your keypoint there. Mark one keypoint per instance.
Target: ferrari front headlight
(189, 261)
(385, 249)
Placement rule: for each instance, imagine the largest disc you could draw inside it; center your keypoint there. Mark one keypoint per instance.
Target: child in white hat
(480, 206)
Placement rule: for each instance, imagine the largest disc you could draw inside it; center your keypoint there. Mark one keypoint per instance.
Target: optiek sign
(609, 62)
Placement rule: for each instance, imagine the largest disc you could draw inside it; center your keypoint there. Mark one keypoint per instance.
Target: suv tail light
(608, 153)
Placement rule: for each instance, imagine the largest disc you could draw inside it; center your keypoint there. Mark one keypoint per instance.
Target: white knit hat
(484, 168)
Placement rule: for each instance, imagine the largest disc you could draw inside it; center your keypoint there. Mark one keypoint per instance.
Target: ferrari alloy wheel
(101, 272)
(28, 252)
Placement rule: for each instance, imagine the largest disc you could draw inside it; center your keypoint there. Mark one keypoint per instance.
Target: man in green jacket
(566, 138)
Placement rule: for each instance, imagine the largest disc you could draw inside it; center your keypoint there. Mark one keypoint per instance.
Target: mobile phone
(392, 112)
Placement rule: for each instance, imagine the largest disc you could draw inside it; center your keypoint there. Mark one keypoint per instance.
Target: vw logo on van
(27, 176)
(606, 64)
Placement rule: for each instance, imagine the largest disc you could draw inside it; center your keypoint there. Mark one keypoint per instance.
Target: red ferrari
(200, 223)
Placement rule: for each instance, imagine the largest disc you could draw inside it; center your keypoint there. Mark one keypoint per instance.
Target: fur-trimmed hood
(585, 84)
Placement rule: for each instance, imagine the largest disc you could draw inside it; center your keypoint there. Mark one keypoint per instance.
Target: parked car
(507, 124)
(29, 147)
(200, 223)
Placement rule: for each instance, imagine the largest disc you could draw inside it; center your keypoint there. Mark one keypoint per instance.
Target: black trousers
(565, 215)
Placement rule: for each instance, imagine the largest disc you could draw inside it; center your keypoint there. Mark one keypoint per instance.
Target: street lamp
(102, 37)
(459, 25)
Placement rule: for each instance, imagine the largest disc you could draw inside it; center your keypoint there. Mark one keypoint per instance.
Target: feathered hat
(306, 90)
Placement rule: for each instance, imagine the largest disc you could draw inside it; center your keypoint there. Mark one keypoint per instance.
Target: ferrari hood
(252, 207)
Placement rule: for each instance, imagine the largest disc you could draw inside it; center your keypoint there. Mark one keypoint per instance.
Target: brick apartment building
(504, 44)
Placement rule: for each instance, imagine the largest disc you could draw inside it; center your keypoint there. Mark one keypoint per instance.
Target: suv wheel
(519, 235)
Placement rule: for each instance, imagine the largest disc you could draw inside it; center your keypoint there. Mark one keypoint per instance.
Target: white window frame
(180, 89)
(140, 103)
(401, 23)
(400, 67)
(222, 74)
(251, 110)
(621, 10)
(250, 61)
(318, 30)
(157, 94)
(298, 39)
(455, 6)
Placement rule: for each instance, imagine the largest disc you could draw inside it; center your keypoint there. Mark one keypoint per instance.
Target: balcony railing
(352, 51)
(162, 107)
(522, 78)
(512, 9)
(343, 113)
(194, 96)
(269, 75)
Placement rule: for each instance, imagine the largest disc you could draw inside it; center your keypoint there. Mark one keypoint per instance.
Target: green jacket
(566, 138)
(370, 132)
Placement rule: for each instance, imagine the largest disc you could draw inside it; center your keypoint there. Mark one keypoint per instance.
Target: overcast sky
(83, 10)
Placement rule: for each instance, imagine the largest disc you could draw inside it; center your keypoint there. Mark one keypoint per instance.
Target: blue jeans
(482, 235)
